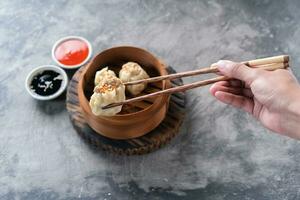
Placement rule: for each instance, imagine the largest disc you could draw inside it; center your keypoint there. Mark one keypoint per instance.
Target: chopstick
(212, 69)
(269, 67)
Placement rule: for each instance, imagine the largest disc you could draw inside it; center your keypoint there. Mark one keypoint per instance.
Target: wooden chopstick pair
(269, 63)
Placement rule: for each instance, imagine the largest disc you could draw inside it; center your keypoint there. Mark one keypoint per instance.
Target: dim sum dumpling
(132, 71)
(102, 73)
(109, 90)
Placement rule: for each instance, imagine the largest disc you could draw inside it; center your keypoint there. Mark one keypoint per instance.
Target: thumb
(237, 71)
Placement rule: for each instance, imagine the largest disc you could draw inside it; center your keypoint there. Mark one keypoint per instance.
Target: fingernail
(221, 65)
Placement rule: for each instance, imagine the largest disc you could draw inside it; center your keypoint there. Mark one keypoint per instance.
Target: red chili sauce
(71, 52)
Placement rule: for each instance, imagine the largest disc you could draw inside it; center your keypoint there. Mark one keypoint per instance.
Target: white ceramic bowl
(71, 38)
(41, 69)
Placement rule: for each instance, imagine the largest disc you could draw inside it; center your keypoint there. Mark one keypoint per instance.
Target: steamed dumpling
(101, 74)
(109, 90)
(132, 71)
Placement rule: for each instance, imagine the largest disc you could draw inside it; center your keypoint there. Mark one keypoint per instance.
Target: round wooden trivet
(141, 145)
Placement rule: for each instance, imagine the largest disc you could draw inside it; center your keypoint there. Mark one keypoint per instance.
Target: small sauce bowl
(36, 73)
(71, 52)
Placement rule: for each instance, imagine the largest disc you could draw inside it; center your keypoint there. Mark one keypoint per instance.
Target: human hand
(272, 97)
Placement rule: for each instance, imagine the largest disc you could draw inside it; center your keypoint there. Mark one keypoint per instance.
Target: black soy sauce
(46, 83)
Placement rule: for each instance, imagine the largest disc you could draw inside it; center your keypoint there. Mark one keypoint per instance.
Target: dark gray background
(220, 153)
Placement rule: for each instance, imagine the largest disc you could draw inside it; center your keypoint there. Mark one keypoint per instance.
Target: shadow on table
(70, 73)
(54, 106)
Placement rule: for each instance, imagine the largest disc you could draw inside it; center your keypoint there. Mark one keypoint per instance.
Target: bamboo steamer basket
(138, 118)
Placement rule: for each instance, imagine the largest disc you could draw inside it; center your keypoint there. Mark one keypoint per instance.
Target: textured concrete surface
(220, 153)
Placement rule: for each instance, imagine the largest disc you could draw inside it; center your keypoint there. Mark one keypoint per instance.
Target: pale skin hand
(272, 97)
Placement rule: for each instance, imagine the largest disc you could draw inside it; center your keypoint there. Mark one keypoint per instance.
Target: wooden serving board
(141, 145)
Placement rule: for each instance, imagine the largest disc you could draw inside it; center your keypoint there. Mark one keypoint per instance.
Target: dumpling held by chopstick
(101, 74)
(109, 90)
